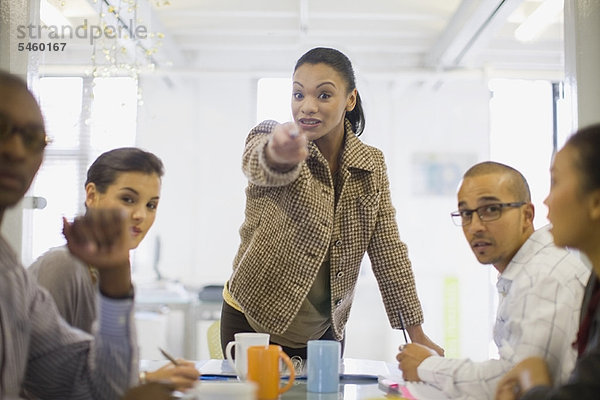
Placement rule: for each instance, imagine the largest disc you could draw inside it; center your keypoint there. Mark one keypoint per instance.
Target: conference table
(348, 390)
(362, 389)
(359, 380)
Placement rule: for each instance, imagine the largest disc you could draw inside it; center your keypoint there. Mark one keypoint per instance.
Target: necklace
(93, 273)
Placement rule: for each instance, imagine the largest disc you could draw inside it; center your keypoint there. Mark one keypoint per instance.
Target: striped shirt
(41, 355)
(540, 296)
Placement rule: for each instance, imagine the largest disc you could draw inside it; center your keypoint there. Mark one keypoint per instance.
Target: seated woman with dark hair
(574, 211)
(128, 179)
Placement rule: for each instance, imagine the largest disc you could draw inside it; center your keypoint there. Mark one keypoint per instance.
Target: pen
(169, 357)
(402, 326)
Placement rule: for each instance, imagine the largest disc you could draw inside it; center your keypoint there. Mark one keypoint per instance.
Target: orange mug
(263, 368)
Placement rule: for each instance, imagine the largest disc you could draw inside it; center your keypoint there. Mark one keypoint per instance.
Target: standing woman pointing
(317, 200)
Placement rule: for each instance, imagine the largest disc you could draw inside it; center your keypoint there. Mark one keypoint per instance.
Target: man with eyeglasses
(40, 354)
(540, 287)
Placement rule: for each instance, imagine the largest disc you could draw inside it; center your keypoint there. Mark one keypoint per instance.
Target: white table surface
(361, 384)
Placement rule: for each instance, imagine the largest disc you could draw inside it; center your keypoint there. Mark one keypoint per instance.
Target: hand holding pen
(411, 355)
(403, 328)
(183, 374)
(169, 357)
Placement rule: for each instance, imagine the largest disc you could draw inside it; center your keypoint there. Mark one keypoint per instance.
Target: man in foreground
(40, 354)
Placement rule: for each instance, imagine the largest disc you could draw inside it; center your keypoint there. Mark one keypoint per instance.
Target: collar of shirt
(537, 241)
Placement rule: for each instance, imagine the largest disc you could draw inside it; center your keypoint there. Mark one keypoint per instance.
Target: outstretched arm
(273, 154)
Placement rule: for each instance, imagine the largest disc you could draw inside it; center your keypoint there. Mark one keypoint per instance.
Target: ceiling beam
(199, 33)
(269, 48)
(327, 16)
(473, 24)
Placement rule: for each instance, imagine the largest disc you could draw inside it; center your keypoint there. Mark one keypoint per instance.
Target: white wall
(166, 122)
(448, 122)
(198, 126)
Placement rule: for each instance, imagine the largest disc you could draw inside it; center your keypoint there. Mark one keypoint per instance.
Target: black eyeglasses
(489, 212)
(33, 136)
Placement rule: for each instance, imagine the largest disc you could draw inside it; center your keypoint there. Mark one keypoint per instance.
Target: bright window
(274, 96)
(114, 111)
(521, 135)
(521, 132)
(84, 117)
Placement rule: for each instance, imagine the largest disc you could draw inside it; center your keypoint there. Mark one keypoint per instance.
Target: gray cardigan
(69, 282)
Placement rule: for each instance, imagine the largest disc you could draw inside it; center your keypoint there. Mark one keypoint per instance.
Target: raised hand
(287, 146)
(101, 239)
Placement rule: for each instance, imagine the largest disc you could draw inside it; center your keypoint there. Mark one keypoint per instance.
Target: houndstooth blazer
(291, 225)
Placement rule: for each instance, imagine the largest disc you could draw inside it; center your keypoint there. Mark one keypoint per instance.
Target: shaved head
(517, 183)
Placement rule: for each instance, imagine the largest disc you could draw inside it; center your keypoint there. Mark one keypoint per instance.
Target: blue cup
(323, 366)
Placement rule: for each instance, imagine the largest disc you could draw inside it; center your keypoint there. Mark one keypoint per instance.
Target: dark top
(584, 383)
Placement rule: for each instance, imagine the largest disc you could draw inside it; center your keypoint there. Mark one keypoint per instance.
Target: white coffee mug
(242, 341)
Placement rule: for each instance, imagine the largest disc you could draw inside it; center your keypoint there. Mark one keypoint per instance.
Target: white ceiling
(382, 36)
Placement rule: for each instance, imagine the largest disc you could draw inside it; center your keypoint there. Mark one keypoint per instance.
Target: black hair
(105, 170)
(6, 78)
(338, 61)
(586, 142)
(519, 185)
